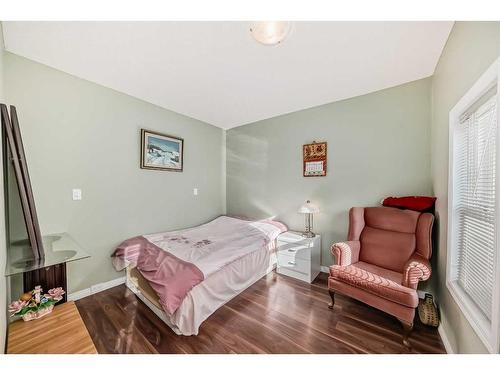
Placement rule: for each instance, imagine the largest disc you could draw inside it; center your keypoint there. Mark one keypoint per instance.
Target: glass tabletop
(59, 248)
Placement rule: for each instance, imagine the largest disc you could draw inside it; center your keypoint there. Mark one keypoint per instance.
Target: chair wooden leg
(332, 295)
(407, 328)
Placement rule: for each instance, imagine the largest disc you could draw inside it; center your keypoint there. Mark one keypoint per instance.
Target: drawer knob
(292, 250)
(291, 263)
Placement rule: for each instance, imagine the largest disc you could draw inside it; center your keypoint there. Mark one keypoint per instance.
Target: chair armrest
(346, 252)
(416, 269)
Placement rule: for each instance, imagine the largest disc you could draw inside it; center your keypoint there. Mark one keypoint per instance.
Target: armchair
(385, 256)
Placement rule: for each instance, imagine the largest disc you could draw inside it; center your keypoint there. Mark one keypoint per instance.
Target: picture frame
(314, 159)
(161, 151)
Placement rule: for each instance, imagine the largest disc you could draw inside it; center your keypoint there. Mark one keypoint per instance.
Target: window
(473, 249)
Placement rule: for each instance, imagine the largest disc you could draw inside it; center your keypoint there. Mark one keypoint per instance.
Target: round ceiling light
(270, 32)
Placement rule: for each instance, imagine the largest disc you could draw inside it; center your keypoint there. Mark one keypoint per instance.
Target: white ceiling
(216, 72)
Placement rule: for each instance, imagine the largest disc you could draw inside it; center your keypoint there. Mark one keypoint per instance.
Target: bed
(184, 276)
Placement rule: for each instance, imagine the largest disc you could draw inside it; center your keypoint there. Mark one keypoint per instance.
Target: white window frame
(487, 331)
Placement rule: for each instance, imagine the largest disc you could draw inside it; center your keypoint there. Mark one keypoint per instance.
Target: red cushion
(416, 203)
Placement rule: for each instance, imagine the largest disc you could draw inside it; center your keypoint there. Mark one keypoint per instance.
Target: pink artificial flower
(16, 306)
(56, 293)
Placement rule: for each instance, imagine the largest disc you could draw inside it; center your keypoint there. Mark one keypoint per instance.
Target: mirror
(14, 156)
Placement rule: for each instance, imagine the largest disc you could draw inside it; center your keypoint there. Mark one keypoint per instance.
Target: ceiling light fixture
(270, 32)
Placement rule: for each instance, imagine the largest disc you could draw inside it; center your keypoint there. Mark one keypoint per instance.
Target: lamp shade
(308, 208)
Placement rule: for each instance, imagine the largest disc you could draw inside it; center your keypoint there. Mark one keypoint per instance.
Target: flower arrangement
(33, 305)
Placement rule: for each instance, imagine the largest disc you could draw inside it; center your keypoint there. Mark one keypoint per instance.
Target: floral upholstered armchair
(386, 254)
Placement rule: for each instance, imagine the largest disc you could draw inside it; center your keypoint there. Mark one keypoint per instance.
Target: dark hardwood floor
(277, 314)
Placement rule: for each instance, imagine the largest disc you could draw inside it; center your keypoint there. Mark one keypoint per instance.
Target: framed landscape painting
(161, 151)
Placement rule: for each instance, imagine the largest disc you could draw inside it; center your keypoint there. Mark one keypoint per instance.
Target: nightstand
(299, 257)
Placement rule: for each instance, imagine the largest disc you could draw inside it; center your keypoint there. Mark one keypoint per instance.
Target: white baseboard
(445, 340)
(421, 294)
(95, 289)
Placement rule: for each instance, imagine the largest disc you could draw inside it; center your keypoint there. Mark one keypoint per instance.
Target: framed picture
(314, 159)
(161, 151)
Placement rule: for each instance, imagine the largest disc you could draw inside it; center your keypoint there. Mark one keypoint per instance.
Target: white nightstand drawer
(293, 263)
(296, 250)
(295, 274)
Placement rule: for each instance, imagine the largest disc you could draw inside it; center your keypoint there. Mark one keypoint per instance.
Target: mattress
(206, 297)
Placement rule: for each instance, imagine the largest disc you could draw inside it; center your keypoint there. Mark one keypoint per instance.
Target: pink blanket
(175, 262)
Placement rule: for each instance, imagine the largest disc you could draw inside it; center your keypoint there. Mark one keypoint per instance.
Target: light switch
(77, 194)
(195, 191)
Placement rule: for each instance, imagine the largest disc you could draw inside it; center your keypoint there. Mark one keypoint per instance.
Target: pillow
(415, 203)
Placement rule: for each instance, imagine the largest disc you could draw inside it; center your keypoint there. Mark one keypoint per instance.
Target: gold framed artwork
(161, 151)
(314, 155)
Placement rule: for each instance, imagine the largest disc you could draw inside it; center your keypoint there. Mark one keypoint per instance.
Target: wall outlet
(195, 191)
(77, 194)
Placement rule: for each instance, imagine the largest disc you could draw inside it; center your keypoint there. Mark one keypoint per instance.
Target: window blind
(474, 184)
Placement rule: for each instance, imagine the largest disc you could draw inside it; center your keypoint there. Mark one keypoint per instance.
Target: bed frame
(163, 316)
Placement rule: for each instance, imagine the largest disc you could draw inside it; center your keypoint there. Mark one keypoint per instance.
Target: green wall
(378, 145)
(81, 135)
(471, 49)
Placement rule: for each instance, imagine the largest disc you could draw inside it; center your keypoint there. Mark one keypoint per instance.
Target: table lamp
(308, 209)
